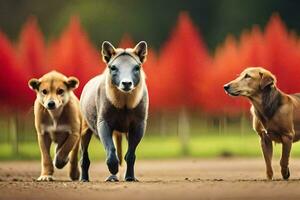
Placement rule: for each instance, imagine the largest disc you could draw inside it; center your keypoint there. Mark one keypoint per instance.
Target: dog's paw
(285, 172)
(131, 179)
(45, 178)
(60, 163)
(112, 178)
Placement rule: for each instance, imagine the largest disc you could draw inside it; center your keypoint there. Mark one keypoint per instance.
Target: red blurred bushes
(74, 55)
(182, 64)
(183, 75)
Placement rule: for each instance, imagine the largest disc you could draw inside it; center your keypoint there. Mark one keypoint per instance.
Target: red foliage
(13, 85)
(284, 54)
(182, 65)
(126, 42)
(73, 54)
(184, 75)
(153, 80)
(276, 49)
(32, 49)
(226, 65)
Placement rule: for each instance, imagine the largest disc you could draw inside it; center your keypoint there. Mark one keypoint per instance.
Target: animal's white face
(125, 73)
(53, 89)
(124, 65)
(250, 82)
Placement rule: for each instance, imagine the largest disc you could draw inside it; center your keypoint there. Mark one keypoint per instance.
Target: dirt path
(159, 179)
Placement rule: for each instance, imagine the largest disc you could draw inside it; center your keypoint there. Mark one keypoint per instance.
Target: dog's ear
(108, 50)
(266, 80)
(34, 84)
(72, 83)
(141, 50)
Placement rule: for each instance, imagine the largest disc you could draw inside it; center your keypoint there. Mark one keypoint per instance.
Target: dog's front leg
(287, 142)
(62, 153)
(46, 162)
(105, 134)
(134, 137)
(267, 149)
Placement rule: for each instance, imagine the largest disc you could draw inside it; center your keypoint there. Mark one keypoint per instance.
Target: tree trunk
(184, 130)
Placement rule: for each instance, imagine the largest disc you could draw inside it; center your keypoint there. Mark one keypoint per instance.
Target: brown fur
(61, 125)
(275, 114)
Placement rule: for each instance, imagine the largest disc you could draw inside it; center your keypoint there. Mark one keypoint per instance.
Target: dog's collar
(122, 53)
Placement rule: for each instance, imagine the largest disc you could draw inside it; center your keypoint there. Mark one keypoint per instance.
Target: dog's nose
(51, 105)
(226, 87)
(126, 84)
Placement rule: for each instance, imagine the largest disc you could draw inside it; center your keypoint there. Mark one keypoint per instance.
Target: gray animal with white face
(116, 103)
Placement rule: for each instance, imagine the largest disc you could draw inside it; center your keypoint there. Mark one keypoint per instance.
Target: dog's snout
(127, 84)
(226, 87)
(51, 105)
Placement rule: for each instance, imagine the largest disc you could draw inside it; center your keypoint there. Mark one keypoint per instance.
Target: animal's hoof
(270, 176)
(84, 180)
(74, 174)
(112, 178)
(45, 178)
(131, 179)
(285, 173)
(113, 164)
(60, 163)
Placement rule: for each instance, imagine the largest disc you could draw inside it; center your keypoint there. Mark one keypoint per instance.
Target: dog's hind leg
(134, 137)
(105, 134)
(284, 161)
(85, 161)
(267, 149)
(74, 171)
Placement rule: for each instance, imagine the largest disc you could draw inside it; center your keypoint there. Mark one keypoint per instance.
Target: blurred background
(195, 47)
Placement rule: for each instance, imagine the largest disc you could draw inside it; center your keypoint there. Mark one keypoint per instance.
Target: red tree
(14, 91)
(32, 49)
(226, 65)
(183, 62)
(73, 54)
(284, 53)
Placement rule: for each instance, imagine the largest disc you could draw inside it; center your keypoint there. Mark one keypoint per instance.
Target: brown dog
(58, 120)
(276, 115)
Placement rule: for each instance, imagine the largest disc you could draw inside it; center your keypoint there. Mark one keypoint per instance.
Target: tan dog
(58, 120)
(276, 115)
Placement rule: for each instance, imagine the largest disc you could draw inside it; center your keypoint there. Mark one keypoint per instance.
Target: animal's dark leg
(284, 162)
(105, 134)
(85, 161)
(134, 137)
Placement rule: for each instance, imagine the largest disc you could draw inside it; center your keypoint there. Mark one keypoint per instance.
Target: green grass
(204, 146)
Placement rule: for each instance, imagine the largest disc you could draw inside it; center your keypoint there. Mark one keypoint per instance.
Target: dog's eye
(113, 68)
(247, 76)
(44, 91)
(60, 91)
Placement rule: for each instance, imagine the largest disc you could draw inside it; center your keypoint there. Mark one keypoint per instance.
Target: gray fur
(107, 107)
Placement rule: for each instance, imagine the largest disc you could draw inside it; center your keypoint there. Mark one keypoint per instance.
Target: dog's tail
(118, 143)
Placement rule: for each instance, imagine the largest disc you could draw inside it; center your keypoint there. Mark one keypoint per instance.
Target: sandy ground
(159, 179)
